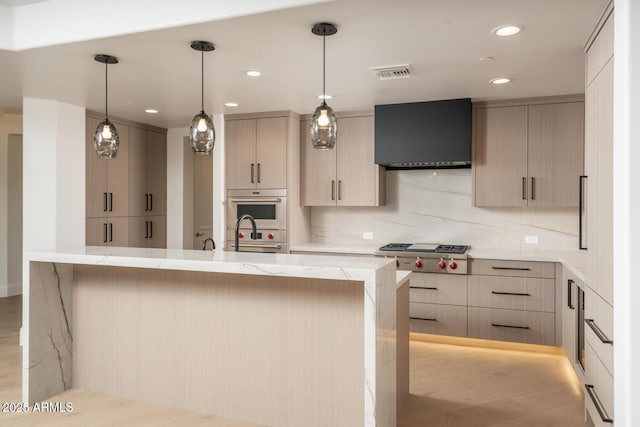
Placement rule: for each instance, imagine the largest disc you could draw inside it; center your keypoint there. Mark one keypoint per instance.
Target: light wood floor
(451, 386)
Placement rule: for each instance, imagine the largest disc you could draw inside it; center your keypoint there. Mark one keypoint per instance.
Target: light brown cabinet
(570, 284)
(124, 193)
(347, 174)
(256, 153)
(528, 152)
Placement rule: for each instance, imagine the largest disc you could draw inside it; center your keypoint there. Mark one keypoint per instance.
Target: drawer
(598, 330)
(440, 319)
(516, 293)
(532, 327)
(598, 389)
(498, 267)
(438, 288)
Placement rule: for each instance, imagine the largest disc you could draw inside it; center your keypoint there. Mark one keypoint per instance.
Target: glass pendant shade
(202, 134)
(106, 140)
(324, 128)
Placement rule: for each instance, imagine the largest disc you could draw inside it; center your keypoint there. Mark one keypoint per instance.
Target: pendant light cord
(324, 68)
(106, 90)
(202, 80)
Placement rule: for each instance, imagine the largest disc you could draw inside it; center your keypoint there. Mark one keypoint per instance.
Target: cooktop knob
(241, 235)
(270, 236)
(397, 263)
(418, 263)
(453, 265)
(442, 264)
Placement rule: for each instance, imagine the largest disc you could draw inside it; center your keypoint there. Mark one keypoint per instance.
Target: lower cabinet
(572, 324)
(148, 232)
(531, 327)
(598, 389)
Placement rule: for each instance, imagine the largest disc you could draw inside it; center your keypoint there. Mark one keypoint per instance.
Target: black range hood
(424, 135)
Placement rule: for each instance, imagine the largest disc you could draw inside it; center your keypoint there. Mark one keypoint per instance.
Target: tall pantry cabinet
(598, 221)
(126, 196)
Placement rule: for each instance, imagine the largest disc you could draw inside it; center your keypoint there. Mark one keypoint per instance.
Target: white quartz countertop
(573, 260)
(328, 267)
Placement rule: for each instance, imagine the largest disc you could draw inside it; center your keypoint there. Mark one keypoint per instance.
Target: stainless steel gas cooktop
(427, 257)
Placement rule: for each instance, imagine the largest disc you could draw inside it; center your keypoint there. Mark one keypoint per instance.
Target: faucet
(254, 232)
(204, 243)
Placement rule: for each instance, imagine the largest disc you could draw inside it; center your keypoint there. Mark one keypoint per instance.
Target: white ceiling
(442, 40)
(18, 3)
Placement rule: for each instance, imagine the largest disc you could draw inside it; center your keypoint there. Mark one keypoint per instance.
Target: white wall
(53, 175)
(9, 281)
(423, 206)
(176, 202)
(14, 216)
(626, 209)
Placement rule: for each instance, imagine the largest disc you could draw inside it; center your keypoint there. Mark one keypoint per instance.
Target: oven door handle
(259, 245)
(256, 200)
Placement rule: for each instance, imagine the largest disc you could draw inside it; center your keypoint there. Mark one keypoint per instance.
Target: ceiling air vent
(392, 72)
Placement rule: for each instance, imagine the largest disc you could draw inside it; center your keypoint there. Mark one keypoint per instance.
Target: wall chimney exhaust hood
(424, 135)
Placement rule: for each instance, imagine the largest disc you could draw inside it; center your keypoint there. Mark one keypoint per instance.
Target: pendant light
(202, 134)
(106, 140)
(324, 125)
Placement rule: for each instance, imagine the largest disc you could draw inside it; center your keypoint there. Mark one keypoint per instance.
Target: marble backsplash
(428, 206)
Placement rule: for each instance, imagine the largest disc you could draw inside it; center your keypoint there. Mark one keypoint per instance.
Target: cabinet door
(138, 232)
(569, 315)
(137, 164)
(118, 231)
(156, 173)
(357, 173)
(318, 171)
(96, 232)
(240, 151)
(271, 153)
(555, 153)
(118, 176)
(96, 176)
(599, 184)
(500, 162)
(157, 232)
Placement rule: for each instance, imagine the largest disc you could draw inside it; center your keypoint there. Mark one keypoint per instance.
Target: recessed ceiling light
(506, 30)
(151, 111)
(325, 96)
(500, 80)
(231, 104)
(253, 73)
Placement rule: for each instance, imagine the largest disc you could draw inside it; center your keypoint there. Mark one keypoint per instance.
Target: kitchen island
(275, 339)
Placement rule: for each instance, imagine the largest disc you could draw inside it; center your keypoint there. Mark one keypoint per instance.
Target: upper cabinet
(347, 174)
(528, 152)
(256, 150)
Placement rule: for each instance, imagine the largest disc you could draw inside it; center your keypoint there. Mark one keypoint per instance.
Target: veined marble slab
(47, 354)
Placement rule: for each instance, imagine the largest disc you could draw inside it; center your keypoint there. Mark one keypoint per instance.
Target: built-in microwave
(269, 209)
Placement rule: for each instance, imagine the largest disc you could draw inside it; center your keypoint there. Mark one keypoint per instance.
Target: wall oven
(269, 209)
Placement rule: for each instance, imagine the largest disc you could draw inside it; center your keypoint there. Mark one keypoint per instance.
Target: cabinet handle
(512, 268)
(150, 201)
(581, 242)
(146, 229)
(333, 190)
(104, 233)
(511, 293)
(339, 189)
(104, 202)
(146, 202)
(498, 325)
(110, 232)
(151, 229)
(430, 288)
(430, 319)
(258, 173)
(524, 188)
(110, 202)
(570, 283)
(601, 336)
(533, 188)
(596, 402)
(252, 173)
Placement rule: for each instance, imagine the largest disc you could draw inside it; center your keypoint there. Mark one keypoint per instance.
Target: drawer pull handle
(511, 293)
(601, 336)
(430, 288)
(570, 283)
(512, 268)
(498, 325)
(430, 319)
(596, 402)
